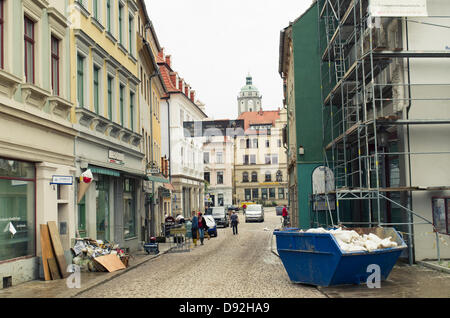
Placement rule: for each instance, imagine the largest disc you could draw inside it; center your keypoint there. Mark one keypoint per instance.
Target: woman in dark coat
(202, 227)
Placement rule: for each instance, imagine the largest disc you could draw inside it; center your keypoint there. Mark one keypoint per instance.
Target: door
(103, 213)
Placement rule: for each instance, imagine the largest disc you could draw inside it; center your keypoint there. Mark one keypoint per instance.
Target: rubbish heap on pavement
(86, 250)
(351, 241)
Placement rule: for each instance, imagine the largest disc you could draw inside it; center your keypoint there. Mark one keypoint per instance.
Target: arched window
(268, 176)
(245, 177)
(279, 176)
(254, 176)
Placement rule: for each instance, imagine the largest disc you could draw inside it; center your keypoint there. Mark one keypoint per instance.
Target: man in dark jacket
(194, 227)
(234, 222)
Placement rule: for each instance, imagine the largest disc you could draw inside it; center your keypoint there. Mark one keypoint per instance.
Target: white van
(254, 212)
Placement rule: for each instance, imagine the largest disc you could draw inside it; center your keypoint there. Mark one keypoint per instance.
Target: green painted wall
(308, 107)
(307, 86)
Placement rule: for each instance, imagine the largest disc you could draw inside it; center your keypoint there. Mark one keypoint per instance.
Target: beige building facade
(260, 174)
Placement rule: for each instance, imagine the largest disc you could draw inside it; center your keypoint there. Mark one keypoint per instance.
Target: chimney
(186, 90)
(192, 96)
(161, 53)
(180, 85)
(169, 60)
(173, 78)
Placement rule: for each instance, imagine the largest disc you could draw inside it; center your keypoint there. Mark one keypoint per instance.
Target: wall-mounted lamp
(301, 151)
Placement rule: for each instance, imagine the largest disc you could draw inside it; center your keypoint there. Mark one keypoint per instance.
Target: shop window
(264, 194)
(220, 201)
(17, 209)
(248, 194)
(272, 193)
(129, 213)
(255, 194)
(441, 214)
(281, 193)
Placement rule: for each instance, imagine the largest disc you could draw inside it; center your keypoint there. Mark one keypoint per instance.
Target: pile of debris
(90, 255)
(350, 241)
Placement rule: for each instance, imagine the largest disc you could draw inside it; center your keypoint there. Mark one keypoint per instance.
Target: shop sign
(62, 180)
(116, 157)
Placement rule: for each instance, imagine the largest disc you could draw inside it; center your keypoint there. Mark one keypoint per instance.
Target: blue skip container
(317, 259)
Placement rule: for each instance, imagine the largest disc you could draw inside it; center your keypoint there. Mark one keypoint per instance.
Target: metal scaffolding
(363, 96)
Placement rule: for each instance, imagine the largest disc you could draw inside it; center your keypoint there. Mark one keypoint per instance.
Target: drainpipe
(170, 153)
(411, 256)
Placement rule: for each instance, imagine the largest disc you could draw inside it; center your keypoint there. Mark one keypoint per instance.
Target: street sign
(62, 180)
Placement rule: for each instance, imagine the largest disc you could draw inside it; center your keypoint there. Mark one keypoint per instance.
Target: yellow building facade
(106, 113)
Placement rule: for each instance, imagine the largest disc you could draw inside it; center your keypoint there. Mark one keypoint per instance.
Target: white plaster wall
(429, 170)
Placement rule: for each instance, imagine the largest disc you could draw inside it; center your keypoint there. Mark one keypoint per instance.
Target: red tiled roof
(165, 73)
(259, 118)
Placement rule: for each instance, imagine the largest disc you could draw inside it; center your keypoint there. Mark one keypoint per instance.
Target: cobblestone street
(227, 266)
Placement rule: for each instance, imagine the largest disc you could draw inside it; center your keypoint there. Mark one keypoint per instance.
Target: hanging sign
(398, 8)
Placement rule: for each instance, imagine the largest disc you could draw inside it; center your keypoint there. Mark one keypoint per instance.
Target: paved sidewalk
(59, 289)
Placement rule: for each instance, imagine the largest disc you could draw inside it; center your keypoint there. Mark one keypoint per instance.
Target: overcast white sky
(215, 43)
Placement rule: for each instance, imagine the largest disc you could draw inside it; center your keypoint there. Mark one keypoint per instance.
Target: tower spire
(249, 79)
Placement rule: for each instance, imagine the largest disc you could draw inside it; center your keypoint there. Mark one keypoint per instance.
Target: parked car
(212, 227)
(255, 212)
(233, 208)
(279, 210)
(220, 215)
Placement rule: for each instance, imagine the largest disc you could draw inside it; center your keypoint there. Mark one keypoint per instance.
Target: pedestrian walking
(194, 227)
(244, 207)
(202, 227)
(234, 222)
(285, 215)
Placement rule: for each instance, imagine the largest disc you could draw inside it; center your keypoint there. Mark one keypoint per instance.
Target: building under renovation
(385, 113)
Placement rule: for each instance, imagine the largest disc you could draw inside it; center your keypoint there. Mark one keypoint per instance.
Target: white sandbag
(370, 245)
(387, 243)
(318, 230)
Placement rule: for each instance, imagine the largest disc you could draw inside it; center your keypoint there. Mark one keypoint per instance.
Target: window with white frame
(130, 33)
(110, 94)
(80, 79)
(121, 23)
(109, 16)
(132, 110)
(30, 48)
(55, 64)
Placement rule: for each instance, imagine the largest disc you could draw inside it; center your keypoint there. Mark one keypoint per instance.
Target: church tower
(249, 99)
